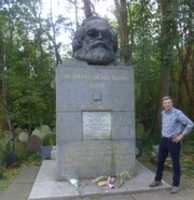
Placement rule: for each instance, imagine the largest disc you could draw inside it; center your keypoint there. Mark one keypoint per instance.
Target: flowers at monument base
(113, 182)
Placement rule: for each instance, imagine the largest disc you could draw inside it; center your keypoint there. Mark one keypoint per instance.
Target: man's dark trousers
(168, 146)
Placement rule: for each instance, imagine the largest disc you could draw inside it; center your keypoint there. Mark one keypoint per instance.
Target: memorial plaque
(97, 125)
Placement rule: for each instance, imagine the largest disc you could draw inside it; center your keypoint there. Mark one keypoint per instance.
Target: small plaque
(97, 125)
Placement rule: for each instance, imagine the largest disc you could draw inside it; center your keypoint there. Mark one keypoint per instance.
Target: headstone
(34, 143)
(95, 120)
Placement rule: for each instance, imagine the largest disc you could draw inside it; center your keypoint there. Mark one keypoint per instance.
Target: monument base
(95, 120)
(46, 187)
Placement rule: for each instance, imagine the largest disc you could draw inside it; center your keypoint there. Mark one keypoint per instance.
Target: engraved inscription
(97, 125)
(99, 77)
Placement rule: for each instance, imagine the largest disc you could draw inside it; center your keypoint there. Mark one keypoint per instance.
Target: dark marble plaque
(97, 125)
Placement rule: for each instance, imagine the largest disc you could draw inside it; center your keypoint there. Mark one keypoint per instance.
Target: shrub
(49, 140)
(4, 146)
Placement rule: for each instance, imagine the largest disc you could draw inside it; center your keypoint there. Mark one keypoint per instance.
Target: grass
(33, 159)
(188, 158)
(8, 176)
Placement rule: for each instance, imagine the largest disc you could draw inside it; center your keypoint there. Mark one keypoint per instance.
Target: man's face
(98, 42)
(167, 104)
(98, 35)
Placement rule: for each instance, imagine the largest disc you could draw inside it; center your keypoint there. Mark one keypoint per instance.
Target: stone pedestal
(95, 120)
(47, 188)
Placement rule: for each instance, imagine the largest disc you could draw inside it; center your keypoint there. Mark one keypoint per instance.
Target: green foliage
(33, 159)
(144, 33)
(161, 43)
(4, 147)
(21, 151)
(49, 140)
(29, 53)
(140, 132)
(8, 176)
(29, 64)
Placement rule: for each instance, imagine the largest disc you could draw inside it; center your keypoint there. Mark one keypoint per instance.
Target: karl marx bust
(95, 42)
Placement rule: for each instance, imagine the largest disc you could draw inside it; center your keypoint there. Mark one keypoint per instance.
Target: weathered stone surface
(46, 187)
(87, 148)
(78, 84)
(91, 158)
(70, 126)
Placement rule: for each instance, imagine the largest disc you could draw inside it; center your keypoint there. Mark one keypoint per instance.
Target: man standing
(175, 125)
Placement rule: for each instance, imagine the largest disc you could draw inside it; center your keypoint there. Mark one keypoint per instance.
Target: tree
(122, 18)
(167, 41)
(75, 4)
(87, 8)
(26, 66)
(184, 74)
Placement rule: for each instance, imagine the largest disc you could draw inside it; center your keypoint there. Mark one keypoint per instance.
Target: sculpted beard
(98, 53)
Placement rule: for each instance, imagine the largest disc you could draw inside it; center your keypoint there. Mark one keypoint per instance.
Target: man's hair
(164, 98)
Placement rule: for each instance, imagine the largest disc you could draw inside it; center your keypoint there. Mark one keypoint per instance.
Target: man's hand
(178, 138)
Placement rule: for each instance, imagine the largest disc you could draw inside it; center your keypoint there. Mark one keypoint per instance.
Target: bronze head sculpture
(95, 42)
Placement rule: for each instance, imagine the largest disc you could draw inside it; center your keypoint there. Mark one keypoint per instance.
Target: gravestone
(95, 120)
(34, 143)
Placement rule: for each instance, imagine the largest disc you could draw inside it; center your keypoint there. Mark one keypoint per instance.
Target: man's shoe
(155, 184)
(174, 190)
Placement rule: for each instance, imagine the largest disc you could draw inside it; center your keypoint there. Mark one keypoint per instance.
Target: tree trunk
(185, 56)
(122, 18)
(87, 8)
(168, 34)
(75, 5)
(167, 40)
(3, 88)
